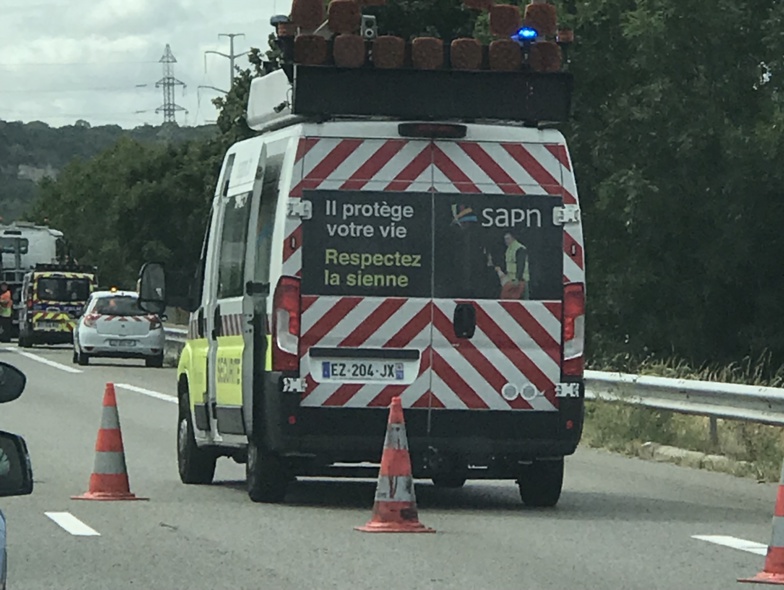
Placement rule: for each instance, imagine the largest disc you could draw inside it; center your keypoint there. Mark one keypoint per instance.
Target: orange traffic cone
(773, 571)
(395, 509)
(109, 480)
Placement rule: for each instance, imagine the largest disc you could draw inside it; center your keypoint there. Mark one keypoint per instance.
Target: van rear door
(487, 338)
(366, 263)
(498, 278)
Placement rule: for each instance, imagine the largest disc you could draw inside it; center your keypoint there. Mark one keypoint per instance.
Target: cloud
(99, 59)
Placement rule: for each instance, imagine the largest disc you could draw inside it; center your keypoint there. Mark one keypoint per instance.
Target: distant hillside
(30, 151)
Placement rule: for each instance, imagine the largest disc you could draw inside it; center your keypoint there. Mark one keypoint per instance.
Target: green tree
(135, 202)
(674, 150)
(676, 142)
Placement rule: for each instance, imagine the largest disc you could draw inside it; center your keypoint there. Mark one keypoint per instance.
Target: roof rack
(65, 267)
(324, 92)
(353, 73)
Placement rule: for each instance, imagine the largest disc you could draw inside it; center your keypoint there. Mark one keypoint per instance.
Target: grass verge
(621, 427)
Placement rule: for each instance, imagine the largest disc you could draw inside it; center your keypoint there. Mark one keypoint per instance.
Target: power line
(5, 114)
(70, 63)
(75, 90)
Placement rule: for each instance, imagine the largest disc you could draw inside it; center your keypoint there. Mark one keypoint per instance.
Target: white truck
(23, 245)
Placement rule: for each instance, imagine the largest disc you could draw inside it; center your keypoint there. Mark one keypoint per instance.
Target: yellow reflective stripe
(51, 315)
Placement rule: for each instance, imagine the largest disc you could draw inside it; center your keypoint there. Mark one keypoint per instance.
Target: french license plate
(122, 343)
(46, 325)
(363, 370)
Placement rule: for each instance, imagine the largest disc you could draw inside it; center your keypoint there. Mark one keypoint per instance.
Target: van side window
(269, 204)
(231, 267)
(196, 289)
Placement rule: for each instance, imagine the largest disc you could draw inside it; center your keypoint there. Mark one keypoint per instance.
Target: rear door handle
(216, 323)
(464, 320)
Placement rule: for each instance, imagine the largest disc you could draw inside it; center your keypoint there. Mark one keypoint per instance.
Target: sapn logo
(463, 215)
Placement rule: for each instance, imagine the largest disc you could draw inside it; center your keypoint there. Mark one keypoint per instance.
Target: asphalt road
(621, 523)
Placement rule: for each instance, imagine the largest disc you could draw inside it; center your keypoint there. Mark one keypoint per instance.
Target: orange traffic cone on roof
(109, 480)
(773, 571)
(395, 509)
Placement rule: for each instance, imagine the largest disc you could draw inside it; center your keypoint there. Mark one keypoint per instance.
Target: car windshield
(117, 305)
(62, 289)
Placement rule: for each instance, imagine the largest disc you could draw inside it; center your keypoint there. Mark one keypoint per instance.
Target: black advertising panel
(497, 247)
(370, 244)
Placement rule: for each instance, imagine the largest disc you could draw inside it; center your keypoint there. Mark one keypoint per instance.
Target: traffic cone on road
(773, 571)
(109, 480)
(395, 509)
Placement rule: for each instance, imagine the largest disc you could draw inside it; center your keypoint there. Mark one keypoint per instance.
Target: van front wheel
(196, 465)
(541, 483)
(267, 475)
(154, 362)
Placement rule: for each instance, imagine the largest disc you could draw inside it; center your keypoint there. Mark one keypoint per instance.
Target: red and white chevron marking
(515, 342)
(193, 328)
(398, 165)
(231, 324)
(359, 322)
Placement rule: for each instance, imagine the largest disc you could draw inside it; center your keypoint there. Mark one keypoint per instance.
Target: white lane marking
(734, 543)
(73, 525)
(45, 361)
(148, 392)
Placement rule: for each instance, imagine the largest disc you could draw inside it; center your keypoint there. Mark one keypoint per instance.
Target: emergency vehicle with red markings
(367, 243)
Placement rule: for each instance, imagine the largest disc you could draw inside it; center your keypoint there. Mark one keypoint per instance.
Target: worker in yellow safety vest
(515, 281)
(6, 313)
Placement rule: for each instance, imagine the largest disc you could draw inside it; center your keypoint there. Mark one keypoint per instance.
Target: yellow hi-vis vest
(511, 262)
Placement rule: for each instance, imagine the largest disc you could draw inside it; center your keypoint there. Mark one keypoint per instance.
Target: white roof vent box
(270, 100)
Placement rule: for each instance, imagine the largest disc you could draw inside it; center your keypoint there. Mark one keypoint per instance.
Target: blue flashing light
(527, 34)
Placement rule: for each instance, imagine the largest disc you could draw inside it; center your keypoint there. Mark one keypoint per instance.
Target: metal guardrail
(762, 405)
(751, 403)
(177, 335)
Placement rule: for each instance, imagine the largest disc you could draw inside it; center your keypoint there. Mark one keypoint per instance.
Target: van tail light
(90, 319)
(155, 322)
(30, 303)
(573, 329)
(285, 325)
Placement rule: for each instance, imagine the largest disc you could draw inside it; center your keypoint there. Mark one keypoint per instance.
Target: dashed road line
(734, 543)
(73, 525)
(148, 392)
(45, 361)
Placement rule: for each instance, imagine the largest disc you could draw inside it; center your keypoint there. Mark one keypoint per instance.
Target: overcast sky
(63, 60)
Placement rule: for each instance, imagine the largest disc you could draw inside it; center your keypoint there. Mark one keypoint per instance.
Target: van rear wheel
(449, 481)
(267, 475)
(541, 482)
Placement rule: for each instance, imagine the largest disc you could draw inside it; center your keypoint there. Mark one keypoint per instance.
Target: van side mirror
(16, 473)
(12, 383)
(152, 288)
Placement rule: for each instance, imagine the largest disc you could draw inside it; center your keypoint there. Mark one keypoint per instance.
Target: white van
(350, 259)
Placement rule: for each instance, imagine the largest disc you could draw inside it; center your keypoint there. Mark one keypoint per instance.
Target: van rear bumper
(468, 437)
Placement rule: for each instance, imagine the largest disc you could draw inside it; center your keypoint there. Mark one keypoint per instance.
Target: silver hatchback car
(114, 326)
